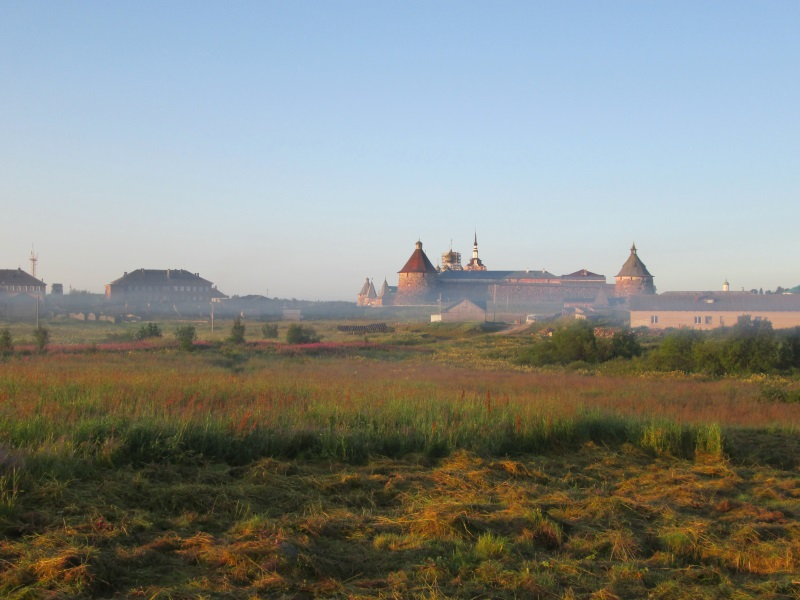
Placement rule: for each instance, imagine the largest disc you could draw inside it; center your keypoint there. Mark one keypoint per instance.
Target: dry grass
(591, 523)
(158, 474)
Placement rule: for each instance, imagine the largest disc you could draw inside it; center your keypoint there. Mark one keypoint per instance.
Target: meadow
(422, 463)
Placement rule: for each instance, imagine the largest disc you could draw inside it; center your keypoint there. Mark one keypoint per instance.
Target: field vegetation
(433, 461)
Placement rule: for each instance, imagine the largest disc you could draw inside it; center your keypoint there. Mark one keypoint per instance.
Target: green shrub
(150, 330)
(774, 392)
(269, 330)
(186, 335)
(301, 334)
(237, 332)
(625, 345)
(6, 343)
(576, 342)
(41, 337)
(674, 353)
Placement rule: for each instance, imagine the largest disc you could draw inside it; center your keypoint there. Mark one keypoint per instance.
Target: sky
(293, 148)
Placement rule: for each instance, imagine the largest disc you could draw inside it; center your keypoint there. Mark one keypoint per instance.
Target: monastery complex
(420, 283)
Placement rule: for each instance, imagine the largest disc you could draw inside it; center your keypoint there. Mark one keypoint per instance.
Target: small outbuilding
(465, 311)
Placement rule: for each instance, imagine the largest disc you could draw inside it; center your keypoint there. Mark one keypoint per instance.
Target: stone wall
(521, 294)
(416, 288)
(634, 286)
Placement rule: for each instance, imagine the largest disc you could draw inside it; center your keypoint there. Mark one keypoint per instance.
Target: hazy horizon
(293, 149)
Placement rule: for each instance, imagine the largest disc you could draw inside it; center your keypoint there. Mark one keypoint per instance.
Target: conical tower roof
(418, 263)
(364, 288)
(371, 291)
(634, 267)
(384, 288)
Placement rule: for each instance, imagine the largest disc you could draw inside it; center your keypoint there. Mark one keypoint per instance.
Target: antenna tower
(34, 259)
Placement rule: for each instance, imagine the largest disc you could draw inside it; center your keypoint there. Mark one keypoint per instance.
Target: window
(708, 320)
(653, 319)
(698, 320)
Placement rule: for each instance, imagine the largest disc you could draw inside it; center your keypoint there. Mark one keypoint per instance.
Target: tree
(269, 330)
(151, 330)
(41, 337)
(789, 349)
(625, 345)
(237, 332)
(6, 343)
(186, 335)
(540, 352)
(707, 356)
(674, 353)
(576, 342)
(752, 347)
(300, 334)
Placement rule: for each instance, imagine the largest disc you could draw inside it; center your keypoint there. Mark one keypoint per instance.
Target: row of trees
(295, 333)
(41, 337)
(185, 335)
(750, 346)
(577, 343)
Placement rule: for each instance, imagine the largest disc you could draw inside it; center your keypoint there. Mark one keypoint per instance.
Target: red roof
(418, 263)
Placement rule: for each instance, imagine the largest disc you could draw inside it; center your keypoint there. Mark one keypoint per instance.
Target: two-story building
(710, 310)
(153, 287)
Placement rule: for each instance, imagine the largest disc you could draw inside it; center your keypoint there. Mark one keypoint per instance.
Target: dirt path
(519, 328)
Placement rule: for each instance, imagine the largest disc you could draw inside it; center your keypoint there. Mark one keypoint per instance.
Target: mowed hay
(528, 528)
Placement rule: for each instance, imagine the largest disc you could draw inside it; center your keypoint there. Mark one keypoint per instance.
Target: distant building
(292, 314)
(21, 294)
(475, 263)
(634, 279)
(369, 297)
(418, 279)
(465, 311)
(451, 261)
(15, 282)
(711, 310)
(153, 287)
(420, 283)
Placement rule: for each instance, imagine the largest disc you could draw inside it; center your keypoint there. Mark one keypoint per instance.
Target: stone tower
(417, 283)
(634, 279)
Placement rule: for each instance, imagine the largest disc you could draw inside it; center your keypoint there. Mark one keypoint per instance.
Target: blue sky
(294, 148)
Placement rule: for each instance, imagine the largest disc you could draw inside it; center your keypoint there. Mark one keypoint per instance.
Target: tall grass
(118, 408)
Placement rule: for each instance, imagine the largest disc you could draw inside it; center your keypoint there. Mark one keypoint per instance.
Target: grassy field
(416, 464)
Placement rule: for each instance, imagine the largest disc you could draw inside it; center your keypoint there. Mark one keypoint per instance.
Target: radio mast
(34, 259)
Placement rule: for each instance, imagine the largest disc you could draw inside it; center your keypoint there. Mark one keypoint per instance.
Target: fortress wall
(523, 293)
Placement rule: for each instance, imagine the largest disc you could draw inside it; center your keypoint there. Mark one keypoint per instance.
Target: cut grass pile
(587, 523)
